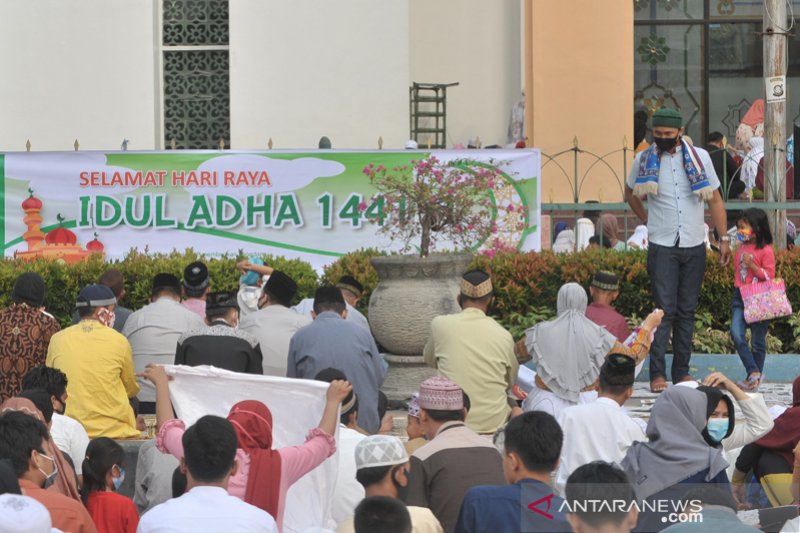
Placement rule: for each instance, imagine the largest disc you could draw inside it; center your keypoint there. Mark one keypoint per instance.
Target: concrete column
(579, 84)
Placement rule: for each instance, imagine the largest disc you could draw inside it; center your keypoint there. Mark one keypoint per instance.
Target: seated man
(274, 324)
(600, 498)
(113, 279)
(153, 332)
(254, 275)
(196, 286)
(532, 446)
(25, 333)
(351, 292)
(153, 482)
(209, 461)
(68, 434)
(220, 343)
(580, 422)
(332, 342)
(23, 441)
(98, 364)
(380, 514)
(455, 458)
(604, 290)
(476, 352)
(348, 491)
(382, 469)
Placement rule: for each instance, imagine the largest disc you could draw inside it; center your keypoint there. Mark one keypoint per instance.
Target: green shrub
(526, 285)
(65, 281)
(356, 264)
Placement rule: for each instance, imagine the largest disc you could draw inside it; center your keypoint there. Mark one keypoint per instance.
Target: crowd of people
(492, 444)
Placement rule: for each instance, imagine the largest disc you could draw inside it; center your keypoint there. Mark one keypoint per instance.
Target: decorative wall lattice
(196, 98)
(196, 81)
(195, 22)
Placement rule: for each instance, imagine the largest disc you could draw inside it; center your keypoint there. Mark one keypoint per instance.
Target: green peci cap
(667, 117)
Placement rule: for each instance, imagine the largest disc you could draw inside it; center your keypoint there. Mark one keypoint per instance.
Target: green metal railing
(575, 165)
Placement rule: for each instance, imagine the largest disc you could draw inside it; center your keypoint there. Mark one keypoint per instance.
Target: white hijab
(569, 350)
(638, 240)
(565, 242)
(751, 160)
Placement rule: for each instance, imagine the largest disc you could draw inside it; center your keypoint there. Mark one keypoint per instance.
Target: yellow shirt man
(98, 363)
(477, 353)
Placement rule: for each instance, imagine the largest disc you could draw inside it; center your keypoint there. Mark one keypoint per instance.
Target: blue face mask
(717, 428)
(119, 480)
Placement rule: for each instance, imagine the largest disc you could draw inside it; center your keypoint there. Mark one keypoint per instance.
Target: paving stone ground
(639, 405)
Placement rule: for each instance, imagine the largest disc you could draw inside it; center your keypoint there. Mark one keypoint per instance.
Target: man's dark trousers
(676, 275)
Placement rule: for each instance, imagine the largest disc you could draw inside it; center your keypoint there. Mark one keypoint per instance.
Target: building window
(196, 74)
(704, 58)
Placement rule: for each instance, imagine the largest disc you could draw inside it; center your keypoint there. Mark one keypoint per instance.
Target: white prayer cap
(23, 514)
(411, 144)
(380, 450)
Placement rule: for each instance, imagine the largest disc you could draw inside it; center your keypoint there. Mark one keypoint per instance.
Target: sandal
(658, 385)
(752, 382)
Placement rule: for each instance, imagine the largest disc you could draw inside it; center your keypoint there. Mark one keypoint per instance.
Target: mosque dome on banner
(95, 246)
(60, 244)
(31, 202)
(61, 235)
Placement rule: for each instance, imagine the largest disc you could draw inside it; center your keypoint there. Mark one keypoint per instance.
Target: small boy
(414, 431)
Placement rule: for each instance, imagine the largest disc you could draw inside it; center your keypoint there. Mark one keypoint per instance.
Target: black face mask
(666, 144)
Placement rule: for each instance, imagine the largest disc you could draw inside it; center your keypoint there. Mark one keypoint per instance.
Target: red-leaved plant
(430, 201)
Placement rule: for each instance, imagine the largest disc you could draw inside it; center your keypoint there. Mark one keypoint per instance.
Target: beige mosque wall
(579, 84)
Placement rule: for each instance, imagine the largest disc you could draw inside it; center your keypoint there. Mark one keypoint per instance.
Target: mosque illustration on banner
(59, 244)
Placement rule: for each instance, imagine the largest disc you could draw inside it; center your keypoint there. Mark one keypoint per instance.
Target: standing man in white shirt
(68, 434)
(677, 179)
(581, 422)
(154, 330)
(209, 461)
(274, 324)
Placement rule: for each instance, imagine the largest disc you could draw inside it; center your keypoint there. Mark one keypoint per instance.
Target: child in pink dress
(754, 261)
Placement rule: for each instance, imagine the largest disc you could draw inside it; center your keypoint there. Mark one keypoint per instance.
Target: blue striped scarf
(650, 163)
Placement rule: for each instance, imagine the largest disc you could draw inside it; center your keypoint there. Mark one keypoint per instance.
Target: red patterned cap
(440, 394)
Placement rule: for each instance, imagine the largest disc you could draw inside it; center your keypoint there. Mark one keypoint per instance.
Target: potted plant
(425, 206)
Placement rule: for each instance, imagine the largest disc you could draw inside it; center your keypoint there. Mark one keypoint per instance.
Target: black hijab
(714, 396)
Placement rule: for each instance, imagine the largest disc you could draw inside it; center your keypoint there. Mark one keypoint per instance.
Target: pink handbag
(765, 300)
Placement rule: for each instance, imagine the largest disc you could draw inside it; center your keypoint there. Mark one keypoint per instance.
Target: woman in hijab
(751, 162)
(638, 241)
(65, 481)
(608, 227)
(565, 242)
(264, 475)
(569, 351)
(682, 451)
(771, 458)
(756, 420)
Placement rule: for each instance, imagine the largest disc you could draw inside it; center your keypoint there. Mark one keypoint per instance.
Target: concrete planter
(412, 291)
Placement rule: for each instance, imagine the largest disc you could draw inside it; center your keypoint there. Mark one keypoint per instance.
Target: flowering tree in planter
(430, 201)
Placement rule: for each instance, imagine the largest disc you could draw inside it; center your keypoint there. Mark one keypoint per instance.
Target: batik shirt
(24, 337)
